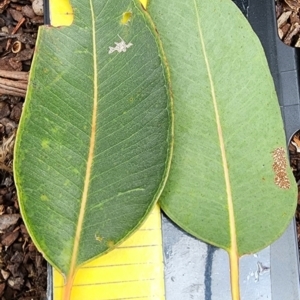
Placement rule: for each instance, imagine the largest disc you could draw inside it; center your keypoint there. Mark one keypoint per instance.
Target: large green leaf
(230, 184)
(93, 146)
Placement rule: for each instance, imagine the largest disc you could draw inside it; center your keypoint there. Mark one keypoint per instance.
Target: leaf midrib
(233, 251)
(90, 158)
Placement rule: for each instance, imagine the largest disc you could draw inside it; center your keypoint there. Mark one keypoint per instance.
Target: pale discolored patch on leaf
(126, 17)
(120, 47)
(280, 166)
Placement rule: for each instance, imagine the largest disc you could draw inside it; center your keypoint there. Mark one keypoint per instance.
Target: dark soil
(294, 153)
(23, 271)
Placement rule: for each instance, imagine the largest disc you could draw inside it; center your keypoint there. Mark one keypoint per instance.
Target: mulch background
(288, 20)
(23, 271)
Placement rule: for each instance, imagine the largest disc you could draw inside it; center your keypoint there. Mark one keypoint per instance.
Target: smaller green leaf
(230, 184)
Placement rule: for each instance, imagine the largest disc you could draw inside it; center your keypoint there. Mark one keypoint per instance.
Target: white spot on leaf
(98, 238)
(120, 46)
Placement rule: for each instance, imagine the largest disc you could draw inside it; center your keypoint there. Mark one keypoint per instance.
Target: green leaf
(230, 184)
(93, 146)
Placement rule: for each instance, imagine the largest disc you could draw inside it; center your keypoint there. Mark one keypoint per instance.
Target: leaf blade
(196, 195)
(121, 142)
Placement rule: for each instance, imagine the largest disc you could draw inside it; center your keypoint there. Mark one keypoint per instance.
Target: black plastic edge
(46, 12)
(49, 291)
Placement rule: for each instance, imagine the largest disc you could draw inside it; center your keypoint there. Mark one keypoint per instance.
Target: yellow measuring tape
(135, 269)
(61, 12)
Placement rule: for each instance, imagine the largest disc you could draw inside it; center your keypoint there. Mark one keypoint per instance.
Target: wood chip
(283, 18)
(2, 287)
(28, 11)
(10, 238)
(5, 274)
(8, 220)
(16, 283)
(292, 32)
(3, 5)
(293, 4)
(14, 75)
(17, 16)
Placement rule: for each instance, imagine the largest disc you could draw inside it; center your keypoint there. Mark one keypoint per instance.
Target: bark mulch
(23, 271)
(294, 153)
(288, 21)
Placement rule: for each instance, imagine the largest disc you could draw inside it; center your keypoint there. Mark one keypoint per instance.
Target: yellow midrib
(90, 154)
(233, 251)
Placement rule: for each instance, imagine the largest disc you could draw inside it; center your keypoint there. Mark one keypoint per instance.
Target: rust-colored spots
(280, 166)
